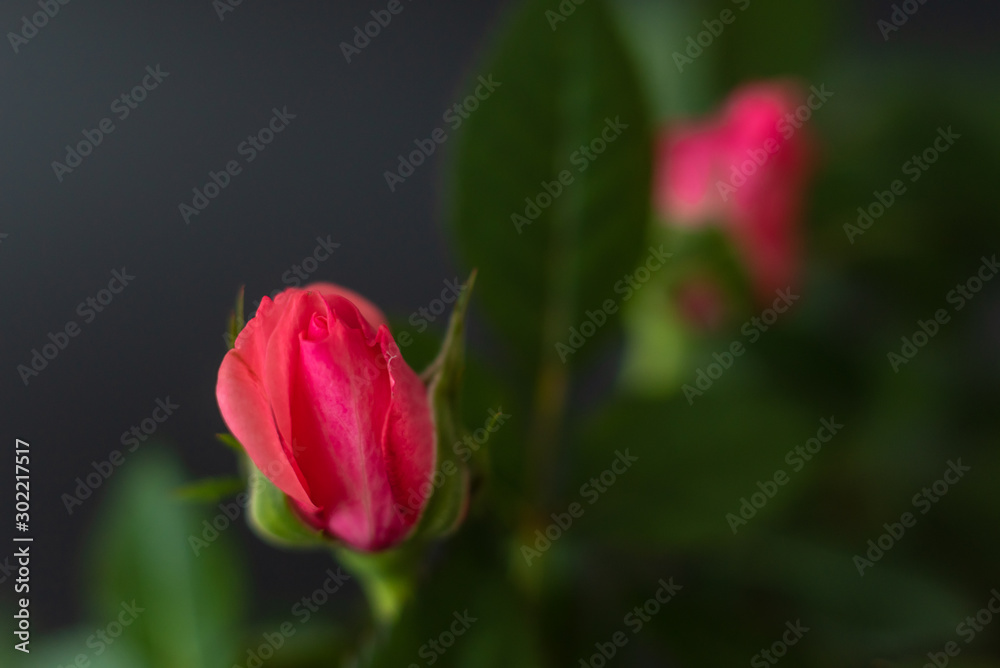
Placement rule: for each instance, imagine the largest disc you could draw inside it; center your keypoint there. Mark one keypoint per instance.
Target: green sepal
(236, 320)
(271, 516)
(448, 503)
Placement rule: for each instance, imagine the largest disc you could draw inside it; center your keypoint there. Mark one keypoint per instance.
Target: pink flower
(319, 396)
(745, 170)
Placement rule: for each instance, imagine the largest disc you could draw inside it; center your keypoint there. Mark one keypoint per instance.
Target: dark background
(322, 176)
(162, 336)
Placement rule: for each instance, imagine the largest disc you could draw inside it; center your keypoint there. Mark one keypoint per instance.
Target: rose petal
(340, 400)
(247, 413)
(408, 438)
(369, 311)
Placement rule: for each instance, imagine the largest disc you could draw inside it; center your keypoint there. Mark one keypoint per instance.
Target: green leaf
(209, 490)
(559, 89)
(889, 610)
(770, 41)
(695, 462)
(230, 441)
(656, 30)
(142, 555)
(504, 635)
(319, 644)
(64, 647)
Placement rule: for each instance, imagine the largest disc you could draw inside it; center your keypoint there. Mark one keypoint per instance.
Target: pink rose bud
(745, 170)
(686, 160)
(319, 396)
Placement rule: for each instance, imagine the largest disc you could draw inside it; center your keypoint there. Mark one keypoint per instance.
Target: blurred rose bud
(687, 163)
(745, 170)
(702, 303)
(319, 396)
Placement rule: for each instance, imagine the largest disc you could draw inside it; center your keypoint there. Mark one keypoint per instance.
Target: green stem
(387, 578)
(549, 407)
(564, 261)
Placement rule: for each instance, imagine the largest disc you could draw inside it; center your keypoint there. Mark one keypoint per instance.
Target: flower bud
(746, 171)
(324, 405)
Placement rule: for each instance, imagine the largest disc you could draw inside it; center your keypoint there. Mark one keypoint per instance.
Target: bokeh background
(323, 177)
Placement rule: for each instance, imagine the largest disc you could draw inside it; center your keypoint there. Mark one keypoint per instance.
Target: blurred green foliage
(151, 603)
(550, 197)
